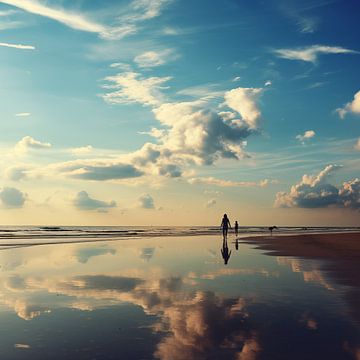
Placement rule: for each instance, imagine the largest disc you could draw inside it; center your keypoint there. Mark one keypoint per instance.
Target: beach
(175, 297)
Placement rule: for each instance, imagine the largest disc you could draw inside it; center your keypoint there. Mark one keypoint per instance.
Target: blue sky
(128, 112)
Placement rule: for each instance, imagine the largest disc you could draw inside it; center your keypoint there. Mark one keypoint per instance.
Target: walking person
(225, 225)
(236, 227)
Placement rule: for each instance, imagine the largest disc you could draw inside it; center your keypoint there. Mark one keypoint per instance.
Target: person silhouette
(225, 251)
(225, 225)
(236, 227)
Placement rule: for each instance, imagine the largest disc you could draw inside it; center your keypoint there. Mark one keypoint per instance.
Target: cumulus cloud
(317, 192)
(351, 107)
(146, 202)
(12, 197)
(150, 59)
(230, 183)
(18, 46)
(243, 101)
(308, 134)
(29, 143)
(200, 135)
(311, 53)
(189, 132)
(83, 201)
(130, 87)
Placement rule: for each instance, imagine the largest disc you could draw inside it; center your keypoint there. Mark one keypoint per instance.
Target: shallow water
(169, 298)
(34, 235)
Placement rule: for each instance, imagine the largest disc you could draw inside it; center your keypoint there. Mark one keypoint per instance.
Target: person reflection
(225, 251)
(237, 244)
(225, 225)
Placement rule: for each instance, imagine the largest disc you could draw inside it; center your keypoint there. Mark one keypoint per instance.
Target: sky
(173, 112)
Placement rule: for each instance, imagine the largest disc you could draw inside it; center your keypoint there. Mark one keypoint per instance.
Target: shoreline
(310, 245)
(338, 256)
(262, 240)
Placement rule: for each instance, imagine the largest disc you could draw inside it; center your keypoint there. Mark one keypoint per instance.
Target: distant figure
(237, 244)
(271, 228)
(225, 251)
(236, 227)
(225, 225)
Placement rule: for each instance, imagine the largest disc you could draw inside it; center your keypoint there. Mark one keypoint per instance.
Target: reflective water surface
(170, 298)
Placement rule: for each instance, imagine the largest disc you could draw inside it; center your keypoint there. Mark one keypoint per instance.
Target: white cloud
(150, 59)
(311, 53)
(9, 12)
(189, 132)
(268, 83)
(75, 21)
(28, 143)
(23, 114)
(357, 145)
(197, 134)
(16, 172)
(147, 9)
(230, 183)
(139, 10)
(8, 24)
(317, 192)
(351, 107)
(210, 203)
(18, 46)
(146, 202)
(82, 150)
(12, 197)
(130, 87)
(96, 170)
(308, 134)
(83, 201)
(243, 100)
(236, 78)
(307, 25)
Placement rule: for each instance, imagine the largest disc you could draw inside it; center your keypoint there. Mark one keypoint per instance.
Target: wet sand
(339, 255)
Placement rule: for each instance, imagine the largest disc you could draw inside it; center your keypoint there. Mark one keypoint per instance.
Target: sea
(32, 235)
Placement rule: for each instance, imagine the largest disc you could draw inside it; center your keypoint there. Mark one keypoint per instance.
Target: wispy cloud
(311, 53)
(18, 46)
(23, 114)
(75, 21)
(230, 183)
(150, 59)
(131, 87)
(139, 10)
